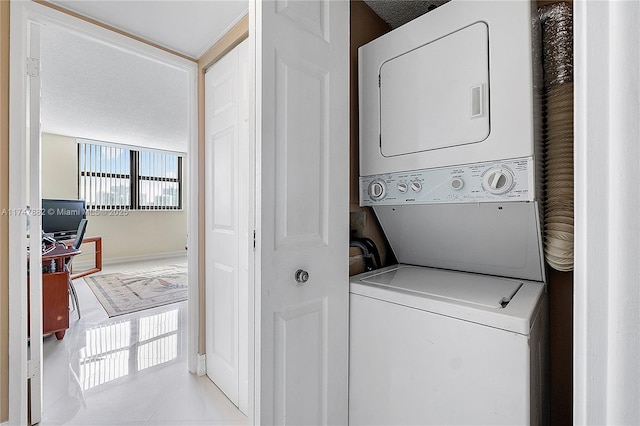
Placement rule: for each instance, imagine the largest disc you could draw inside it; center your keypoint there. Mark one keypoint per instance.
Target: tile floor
(128, 370)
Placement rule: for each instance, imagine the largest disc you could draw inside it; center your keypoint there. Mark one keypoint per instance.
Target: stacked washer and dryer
(450, 161)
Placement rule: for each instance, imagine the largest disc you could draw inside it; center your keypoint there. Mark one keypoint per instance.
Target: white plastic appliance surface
(455, 86)
(501, 239)
(427, 104)
(502, 303)
(504, 181)
(421, 357)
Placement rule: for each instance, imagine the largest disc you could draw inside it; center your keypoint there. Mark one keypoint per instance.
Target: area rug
(125, 292)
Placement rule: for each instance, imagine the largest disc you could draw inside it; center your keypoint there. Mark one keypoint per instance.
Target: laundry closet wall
(560, 285)
(365, 26)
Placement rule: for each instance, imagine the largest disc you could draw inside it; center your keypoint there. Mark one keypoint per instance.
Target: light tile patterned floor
(128, 370)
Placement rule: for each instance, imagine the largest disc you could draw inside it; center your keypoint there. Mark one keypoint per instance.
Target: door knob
(301, 276)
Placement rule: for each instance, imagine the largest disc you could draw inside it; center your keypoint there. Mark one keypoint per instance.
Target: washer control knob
(416, 186)
(403, 187)
(377, 189)
(456, 183)
(497, 180)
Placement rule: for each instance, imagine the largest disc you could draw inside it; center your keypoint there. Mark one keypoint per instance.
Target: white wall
(140, 233)
(607, 157)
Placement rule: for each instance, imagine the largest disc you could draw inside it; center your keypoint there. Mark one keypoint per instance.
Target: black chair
(67, 264)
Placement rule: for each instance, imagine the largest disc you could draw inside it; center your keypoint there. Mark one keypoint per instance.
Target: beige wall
(4, 202)
(139, 233)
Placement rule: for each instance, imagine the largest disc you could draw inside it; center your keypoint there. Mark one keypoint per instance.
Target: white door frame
(607, 200)
(21, 13)
(18, 400)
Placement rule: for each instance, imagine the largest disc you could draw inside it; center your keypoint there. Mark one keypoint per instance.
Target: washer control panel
(510, 180)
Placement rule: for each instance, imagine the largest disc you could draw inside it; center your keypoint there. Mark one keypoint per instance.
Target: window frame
(134, 177)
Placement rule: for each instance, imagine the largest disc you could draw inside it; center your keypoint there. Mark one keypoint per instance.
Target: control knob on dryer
(497, 180)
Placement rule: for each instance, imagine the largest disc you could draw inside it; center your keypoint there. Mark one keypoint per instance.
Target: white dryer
(458, 85)
(450, 162)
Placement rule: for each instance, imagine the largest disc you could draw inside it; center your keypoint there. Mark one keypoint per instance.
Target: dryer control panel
(504, 181)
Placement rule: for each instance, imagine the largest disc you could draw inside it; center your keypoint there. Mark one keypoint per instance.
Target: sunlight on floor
(129, 369)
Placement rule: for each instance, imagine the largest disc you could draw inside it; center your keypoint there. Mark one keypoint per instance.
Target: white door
(227, 224)
(302, 137)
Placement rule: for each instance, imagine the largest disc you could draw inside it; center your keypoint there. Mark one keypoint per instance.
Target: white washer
(435, 347)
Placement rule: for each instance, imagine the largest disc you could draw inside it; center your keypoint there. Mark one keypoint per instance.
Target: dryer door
(437, 95)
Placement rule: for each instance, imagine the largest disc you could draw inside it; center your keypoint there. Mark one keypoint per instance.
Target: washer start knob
(377, 189)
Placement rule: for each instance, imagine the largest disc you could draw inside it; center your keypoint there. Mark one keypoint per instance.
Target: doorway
(27, 192)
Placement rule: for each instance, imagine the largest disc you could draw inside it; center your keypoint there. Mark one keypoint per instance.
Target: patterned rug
(125, 292)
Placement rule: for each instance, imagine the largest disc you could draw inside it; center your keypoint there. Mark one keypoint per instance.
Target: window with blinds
(120, 177)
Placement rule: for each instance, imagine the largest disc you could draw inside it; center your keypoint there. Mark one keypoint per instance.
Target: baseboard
(202, 365)
(86, 264)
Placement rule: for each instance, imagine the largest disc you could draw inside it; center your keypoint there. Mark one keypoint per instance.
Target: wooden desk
(97, 253)
(55, 291)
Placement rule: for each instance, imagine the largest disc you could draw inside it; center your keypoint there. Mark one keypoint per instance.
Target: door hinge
(33, 369)
(380, 141)
(379, 80)
(33, 67)
(254, 240)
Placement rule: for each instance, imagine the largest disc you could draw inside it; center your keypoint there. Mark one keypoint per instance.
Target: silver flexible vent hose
(557, 54)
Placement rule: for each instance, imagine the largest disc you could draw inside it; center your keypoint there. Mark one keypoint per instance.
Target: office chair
(67, 264)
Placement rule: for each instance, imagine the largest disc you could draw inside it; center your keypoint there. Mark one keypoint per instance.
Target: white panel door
(302, 136)
(226, 207)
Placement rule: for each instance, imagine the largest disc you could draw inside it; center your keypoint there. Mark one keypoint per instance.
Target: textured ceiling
(96, 91)
(399, 12)
(186, 26)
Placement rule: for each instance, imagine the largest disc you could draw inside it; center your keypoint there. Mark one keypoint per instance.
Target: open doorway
(118, 140)
(61, 160)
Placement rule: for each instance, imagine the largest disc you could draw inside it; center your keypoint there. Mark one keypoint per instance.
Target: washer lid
(469, 297)
(491, 292)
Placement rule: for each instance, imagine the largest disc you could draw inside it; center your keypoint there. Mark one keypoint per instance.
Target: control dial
(497, 180)
(416, 186)
(377, 189)
(456, 183)
(403, 187)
